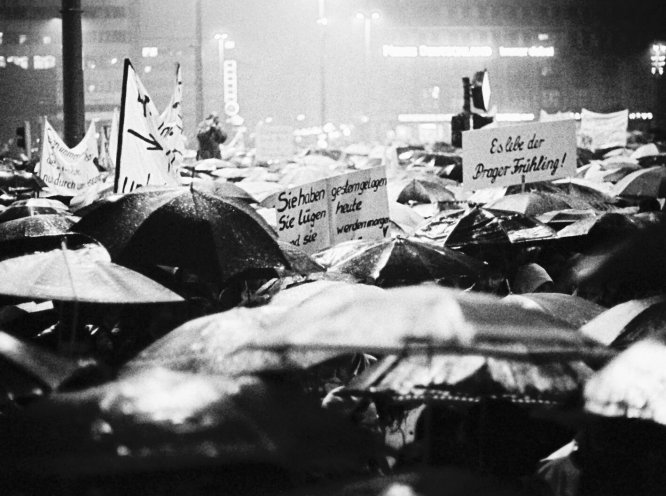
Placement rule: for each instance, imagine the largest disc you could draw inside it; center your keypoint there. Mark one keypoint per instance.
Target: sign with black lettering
(359, 205)
(302, 216)
(516, 154)
(317, 215)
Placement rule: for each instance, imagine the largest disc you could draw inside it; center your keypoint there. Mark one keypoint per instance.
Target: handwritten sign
(68, 171)
(515, 154)
(303, 216)
(274, 142)
(599, 131)
(143, 157)
(322, 213)
(359, 205)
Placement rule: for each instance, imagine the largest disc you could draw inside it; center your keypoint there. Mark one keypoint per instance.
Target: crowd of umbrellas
(509, 341)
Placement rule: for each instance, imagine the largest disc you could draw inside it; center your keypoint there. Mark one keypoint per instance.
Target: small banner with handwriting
(323, 213)
(514, 154)
(68, 171)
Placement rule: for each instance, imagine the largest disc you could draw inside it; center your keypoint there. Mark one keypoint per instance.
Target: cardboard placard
(303, 216)
(515, 154)
(359, 205)
(323, 213)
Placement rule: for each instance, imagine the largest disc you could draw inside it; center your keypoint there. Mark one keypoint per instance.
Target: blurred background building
(370, 65)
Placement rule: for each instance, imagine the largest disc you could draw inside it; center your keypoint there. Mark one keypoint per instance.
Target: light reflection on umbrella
(478, 226)
(165, 420)
(82, 275)
(401, 261)
(424, 319)
(469, 378)
(574, 310)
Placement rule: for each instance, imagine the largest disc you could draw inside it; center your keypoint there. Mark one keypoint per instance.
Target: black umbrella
(17, 212)
(161, 420)
(479, 226)
(37, 233)
(184, 227)
(401, 261)
(224, 189)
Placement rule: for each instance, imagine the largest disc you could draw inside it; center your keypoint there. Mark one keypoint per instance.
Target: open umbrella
(559, 219)
(643, 182)
(632, 385)
(216, 344)
(224, 189)
(574, 310)
(41, 202)
(184, 227)
(478, 226)
(404, 218)
(401, 261)
(536, 203)
(427, 318)
(17, 212)
(161, 420)
(470, 378)
(28, 370)
(621, 325)
(82, 275)
(323, 290)
(299, 261)
(421, 190)
(35, 226)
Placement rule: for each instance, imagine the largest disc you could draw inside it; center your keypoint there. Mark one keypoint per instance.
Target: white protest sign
(303, 216)
(142, 152)
(515, 154)
(322, 213)
(599, 131)
(171, 124)
(359, 205)
(68, 171)
(274, 142)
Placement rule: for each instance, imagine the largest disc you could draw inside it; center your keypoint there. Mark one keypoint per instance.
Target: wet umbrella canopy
(81, 275)
(401, 261)
(215, 344)
(574, 310)
(479, 226)
(164, 420)
(469, 378)
(423, 319)
(535, 203)
(183, 227)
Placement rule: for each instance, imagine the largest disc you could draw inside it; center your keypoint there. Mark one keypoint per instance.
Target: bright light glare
(221, 36)
(375, 16)
(360, 16)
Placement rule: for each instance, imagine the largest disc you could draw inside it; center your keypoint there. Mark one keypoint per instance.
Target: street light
(368, 19)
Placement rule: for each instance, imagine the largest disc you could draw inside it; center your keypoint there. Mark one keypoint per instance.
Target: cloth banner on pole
(599, 131)
(142, 157)
(68, 171)
(171, 125)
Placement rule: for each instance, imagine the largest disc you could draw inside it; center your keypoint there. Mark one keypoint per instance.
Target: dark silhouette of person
(210, 136)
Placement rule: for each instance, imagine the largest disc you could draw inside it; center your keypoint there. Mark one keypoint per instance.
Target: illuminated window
(149, 52)
(1, 37)
(22, 39)
(3, 62)
(47, 40)
(22, 61)
(44, 61)
(147, 69)
(91, 88)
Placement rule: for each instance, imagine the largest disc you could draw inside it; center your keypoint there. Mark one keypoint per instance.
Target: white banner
(322, 213)
(515, 154)
(171, 125)
(68, 171)
(143, 154)
(599, 131)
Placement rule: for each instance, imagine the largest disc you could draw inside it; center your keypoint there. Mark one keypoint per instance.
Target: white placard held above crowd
(515, 154)
(599, 131)
(68, 171)
(143, 154)
(323, 213)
